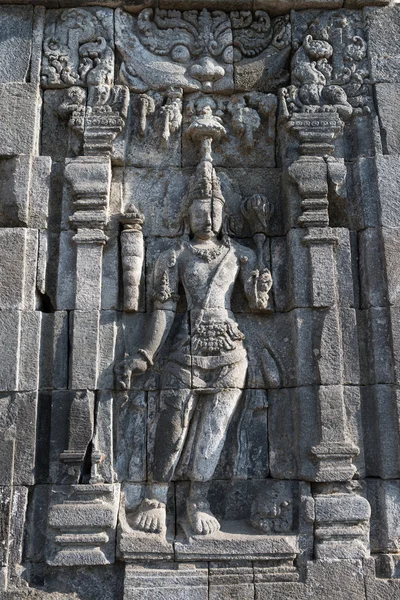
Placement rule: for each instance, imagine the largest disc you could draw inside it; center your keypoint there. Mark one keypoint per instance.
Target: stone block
(29, 356)
(363, 193)
(375, 346)
(5, 518)
(18, 264)
(293, 431)
(395, 331)
(161, 192)
(54, 351)
(10, 323)
(385, 515)
(233, 582)
(13, 503)
(39, 192)
(16, 26)
(111, 299)
(24, 187)
(43, 435)
(17, 533)
(182, 581)
(19, 103)
(89, 258)
(377, 587)
(20, 340)
(388, 182)
(109, 350)
(36, 524)
(379, 405)
(59, 427)
(383, 36)
(353, 425)
(66, 277)
(280, 591)
(293, 265)
(373, 290)
(391, 247)
(334, 581)
(84, 332)
(18, 425)
(386, 101)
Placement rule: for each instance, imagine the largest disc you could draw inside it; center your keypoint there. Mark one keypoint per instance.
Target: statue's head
(204, 209)
(205, 217)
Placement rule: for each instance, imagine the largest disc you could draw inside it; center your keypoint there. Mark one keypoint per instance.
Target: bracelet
(146, 356)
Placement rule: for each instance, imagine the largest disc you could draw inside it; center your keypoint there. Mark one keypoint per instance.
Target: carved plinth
(237, 541)
(81, 525)
(316, 131)
(90, 180)
(341, 525)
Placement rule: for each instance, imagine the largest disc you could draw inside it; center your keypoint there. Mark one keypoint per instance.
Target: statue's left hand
(263, 285)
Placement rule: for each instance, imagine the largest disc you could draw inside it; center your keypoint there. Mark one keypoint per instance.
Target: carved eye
(180, 54)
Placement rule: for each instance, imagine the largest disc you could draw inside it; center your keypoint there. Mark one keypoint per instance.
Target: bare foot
(150, 516)
(201, 518)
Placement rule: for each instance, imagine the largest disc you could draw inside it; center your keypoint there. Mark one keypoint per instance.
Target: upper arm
(166, 281)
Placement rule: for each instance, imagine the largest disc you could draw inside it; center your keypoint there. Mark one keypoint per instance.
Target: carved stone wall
(199, 300)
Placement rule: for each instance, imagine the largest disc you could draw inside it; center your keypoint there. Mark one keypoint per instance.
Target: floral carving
(77, 48)
(329, 68)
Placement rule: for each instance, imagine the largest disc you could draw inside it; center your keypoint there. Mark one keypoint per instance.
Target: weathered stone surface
(182, 581)
(96, 506)
(15, 43)
(19, 102)
(18, 268)
(379, 418)
(20, 341)
(199, 300)
(54, 351)
(18, 424)
(383, 35)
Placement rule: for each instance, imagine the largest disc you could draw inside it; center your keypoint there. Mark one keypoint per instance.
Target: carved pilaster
(316, 132)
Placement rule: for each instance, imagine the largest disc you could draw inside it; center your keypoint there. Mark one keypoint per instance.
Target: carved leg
(216, 413)
(172, 428)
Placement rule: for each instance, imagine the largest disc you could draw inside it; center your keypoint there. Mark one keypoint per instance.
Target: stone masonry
(200, 300)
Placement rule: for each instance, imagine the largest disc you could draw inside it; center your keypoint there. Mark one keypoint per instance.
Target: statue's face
(205, 218)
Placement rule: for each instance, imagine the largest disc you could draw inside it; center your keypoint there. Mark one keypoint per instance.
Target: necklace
(208, 254)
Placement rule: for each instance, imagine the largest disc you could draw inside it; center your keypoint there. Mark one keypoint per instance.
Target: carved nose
(207, 70)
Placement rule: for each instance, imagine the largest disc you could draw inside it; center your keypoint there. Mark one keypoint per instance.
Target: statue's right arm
(165, 287)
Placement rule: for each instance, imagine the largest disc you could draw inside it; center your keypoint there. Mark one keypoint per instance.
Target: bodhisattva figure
(206, 367)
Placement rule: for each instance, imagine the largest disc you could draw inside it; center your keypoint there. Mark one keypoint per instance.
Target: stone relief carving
(271, 511)
(208, 407)
(197, 50)
(329, 68)
(78, 48)
(206, 369)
